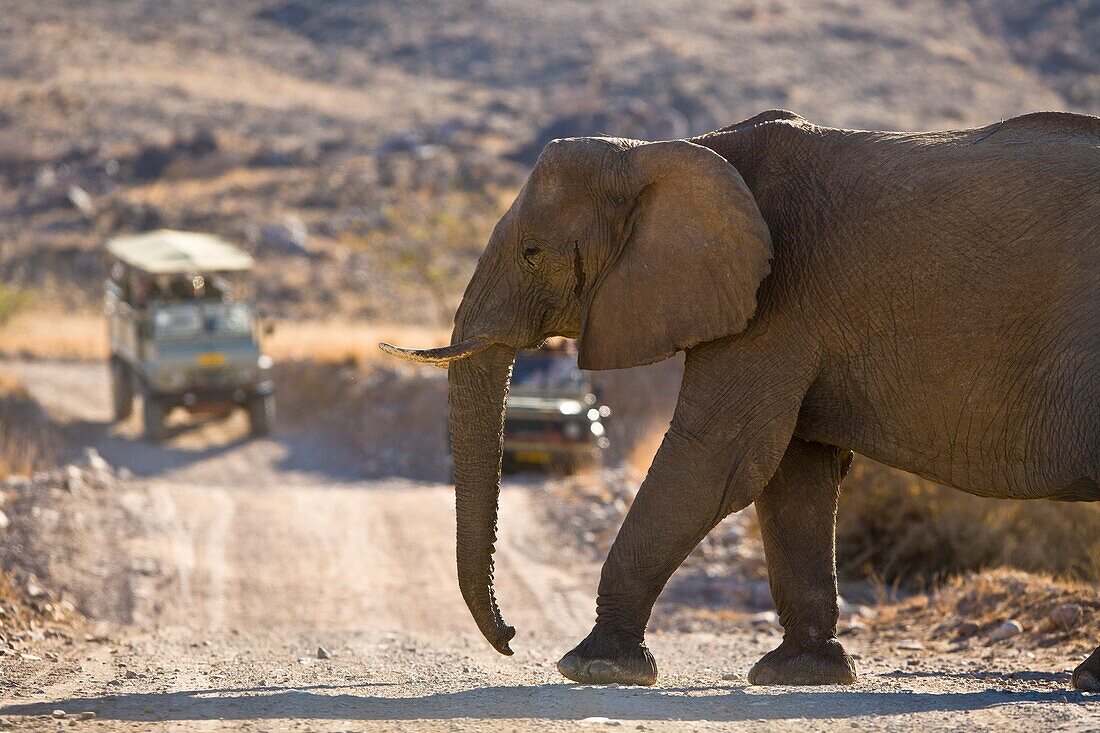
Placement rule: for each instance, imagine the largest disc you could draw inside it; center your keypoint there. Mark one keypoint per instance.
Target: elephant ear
(694, 250)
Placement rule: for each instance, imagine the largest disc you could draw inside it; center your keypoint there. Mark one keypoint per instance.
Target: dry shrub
(989, 598)
(908, 531)
(29, 441)
(12, 301)
(394, 415)
(30, 610)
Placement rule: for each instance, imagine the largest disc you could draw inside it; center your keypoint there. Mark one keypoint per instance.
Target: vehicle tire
(122, 389)
(154, 413)
(261, 415)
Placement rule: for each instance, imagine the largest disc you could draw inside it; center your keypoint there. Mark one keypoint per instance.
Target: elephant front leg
(797, 512)
(677, 504)
(734, 419)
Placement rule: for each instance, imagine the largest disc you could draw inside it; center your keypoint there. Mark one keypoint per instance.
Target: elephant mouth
(443, 356)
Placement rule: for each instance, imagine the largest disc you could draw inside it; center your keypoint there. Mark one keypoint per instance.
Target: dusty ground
(222, 566)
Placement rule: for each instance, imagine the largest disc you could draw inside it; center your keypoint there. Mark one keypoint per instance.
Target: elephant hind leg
(1086, 677)
(797, 512)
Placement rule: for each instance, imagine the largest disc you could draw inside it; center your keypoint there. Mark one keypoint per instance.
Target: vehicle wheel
(153, 416)
(261, 415)
(122, 389)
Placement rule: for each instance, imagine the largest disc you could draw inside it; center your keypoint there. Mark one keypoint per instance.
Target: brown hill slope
(391, 132)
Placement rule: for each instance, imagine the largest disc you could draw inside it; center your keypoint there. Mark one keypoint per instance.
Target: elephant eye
(531, 254)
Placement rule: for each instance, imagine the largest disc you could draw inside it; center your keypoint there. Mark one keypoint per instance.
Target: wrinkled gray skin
(930, 300)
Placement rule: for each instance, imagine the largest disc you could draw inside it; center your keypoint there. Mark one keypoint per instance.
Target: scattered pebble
(323, 653)
(600, 720)
(910, 645)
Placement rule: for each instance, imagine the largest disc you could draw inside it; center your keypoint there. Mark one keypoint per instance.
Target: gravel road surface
(238, 559)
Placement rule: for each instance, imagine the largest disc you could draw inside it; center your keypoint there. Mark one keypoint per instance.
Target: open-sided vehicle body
(182, 331)
(553, 415)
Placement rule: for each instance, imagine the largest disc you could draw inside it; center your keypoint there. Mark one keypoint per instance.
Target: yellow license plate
(212, 359)
(533, 457)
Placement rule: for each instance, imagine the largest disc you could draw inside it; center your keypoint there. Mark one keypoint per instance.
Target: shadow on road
(189, 446)
(527, 702)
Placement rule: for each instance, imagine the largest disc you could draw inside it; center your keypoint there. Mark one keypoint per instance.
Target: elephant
(929, 300)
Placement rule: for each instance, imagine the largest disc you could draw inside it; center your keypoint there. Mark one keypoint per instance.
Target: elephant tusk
(442, 356)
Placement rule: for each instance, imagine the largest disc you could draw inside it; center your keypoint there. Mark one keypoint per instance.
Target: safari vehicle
(553, 417)
(182, 331)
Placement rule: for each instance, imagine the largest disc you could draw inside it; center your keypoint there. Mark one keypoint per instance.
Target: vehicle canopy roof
(168, 252)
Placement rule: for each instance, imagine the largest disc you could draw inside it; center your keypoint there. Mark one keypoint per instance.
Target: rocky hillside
(364, 150)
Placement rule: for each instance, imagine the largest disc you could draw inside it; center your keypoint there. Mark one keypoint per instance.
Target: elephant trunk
(478, 386)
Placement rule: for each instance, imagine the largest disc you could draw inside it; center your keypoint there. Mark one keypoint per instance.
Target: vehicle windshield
(205, 320)
(559, 372)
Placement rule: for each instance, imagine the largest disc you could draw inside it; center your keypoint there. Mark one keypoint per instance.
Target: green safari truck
(183, 333)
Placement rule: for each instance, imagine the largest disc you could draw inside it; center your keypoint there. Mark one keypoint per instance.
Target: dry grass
(346, 342)
(908, 531)
(46, 334)
(49, 334)
(28, 440)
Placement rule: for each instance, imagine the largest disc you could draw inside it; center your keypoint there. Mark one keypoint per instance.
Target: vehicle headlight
(265, 362)
(570, 407)
(597, 429)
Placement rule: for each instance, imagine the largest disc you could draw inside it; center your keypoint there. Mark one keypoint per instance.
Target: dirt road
(239, 558)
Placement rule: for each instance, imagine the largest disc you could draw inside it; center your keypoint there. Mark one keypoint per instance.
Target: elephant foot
(1086, 677)
(604, 659)
(805, 663)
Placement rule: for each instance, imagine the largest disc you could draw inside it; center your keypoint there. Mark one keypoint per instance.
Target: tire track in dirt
(276, 534)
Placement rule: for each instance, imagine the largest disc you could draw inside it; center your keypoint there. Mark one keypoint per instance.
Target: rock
(4, 521)
(86, 715)
(289, 236)
(966, 629)
(96, 462)
(1007, 630)
(74, 479)
(1067, 617)
(323, 653)
(34, 589)
(81, 201)
(132, 675)
(59, 714)
(911, 645)
(854, 627)
(765, 618)
(600, 720)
